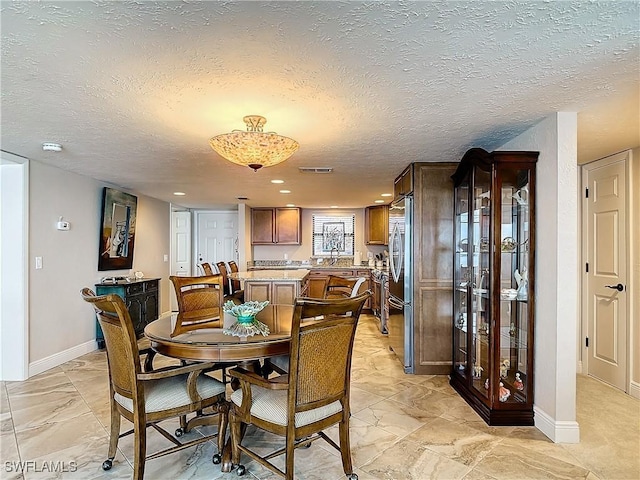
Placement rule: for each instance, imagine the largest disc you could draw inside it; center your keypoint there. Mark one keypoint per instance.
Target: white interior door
(181, 244)
(180, 249)
(217, 237)
(607, 277)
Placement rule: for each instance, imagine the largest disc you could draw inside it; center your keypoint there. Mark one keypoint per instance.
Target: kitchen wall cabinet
(141, 298)
(281, 226)
(493, 318)
(403, 184)
(376, 225)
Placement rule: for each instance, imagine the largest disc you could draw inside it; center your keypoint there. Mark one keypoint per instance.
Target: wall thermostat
(62, 224)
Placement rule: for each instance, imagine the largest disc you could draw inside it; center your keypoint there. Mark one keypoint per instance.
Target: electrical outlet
(38, 263)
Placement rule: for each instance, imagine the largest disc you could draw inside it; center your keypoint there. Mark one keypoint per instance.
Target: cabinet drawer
(151, 286)
(133, 289)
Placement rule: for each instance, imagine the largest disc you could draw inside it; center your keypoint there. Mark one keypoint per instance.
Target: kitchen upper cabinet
(376, 225)
(280, 226)
(403, 184)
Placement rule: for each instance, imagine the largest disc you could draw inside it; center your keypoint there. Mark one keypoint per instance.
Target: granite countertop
(296, 264)
(271, 275)
(311, 267)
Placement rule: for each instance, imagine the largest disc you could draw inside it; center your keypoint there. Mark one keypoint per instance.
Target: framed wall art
(117, 230)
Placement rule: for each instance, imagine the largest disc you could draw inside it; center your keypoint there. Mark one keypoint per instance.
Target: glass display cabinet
(494, 276)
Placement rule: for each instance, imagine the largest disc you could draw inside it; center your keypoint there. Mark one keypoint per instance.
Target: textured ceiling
(134, 90)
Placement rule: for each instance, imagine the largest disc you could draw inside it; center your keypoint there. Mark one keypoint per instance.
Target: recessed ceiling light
(386, 194)
(277, 181)
(334, 206)
(285, 191)
(179, 194)
(379, 201)
(290, 205)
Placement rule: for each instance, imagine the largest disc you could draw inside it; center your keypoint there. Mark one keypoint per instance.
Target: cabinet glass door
(480, 276)
(514, 285)
(462, 278)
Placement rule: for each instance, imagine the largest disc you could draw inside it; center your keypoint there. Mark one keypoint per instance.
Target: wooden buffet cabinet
(141, 297)
(282, 226)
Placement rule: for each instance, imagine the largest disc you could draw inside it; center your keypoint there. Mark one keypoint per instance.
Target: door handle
(618, 287)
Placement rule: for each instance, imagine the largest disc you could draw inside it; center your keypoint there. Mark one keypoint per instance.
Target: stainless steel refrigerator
(400, 321)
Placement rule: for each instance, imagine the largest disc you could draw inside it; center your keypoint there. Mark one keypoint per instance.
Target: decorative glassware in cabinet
(462, 280)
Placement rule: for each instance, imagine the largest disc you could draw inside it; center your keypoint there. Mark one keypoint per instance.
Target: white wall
(557, 285)
(61, 324)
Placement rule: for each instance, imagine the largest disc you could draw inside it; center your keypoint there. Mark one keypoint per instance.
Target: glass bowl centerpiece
(246, 324)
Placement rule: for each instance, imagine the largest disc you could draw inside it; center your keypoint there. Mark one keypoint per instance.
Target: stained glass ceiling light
(254, 148)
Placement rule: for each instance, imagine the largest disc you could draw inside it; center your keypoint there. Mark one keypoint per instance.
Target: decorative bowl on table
(246, 324)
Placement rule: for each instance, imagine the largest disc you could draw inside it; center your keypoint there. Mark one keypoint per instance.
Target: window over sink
(333, 235)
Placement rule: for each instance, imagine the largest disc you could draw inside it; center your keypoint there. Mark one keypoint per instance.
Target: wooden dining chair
(206, 268)
(200, 302)
(316, 393)
(236, 287)
(335, 287)
(341, 287)
(146, 398)
(237, 298)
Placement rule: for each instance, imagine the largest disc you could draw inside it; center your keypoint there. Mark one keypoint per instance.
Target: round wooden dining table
(211, 345)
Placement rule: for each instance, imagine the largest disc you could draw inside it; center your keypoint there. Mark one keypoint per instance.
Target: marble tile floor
(403, 427)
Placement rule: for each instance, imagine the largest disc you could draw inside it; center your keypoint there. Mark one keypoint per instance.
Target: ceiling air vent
(315, 169)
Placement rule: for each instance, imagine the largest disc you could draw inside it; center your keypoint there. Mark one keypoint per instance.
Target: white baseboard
(557, 431)
(579, 368)
(59, 358)
(634, 389)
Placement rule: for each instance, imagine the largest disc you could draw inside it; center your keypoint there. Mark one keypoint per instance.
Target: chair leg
(140, 446)
(345, 447)
(223, 421)
(289, 459)
(236, 437)
(114, 436)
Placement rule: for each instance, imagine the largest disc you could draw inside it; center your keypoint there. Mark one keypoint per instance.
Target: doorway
(14, 267)
(216, 238)
(606, 270)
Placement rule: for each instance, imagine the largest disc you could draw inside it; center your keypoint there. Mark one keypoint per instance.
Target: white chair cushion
(167, 393)
(271, 406)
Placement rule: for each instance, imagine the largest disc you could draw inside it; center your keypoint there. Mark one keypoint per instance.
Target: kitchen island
(278, 286)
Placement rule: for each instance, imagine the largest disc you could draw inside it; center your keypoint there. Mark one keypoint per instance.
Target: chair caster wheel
(217, 459)
(107, 464)
(241, 470)
(352, 476)
(179, 432)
